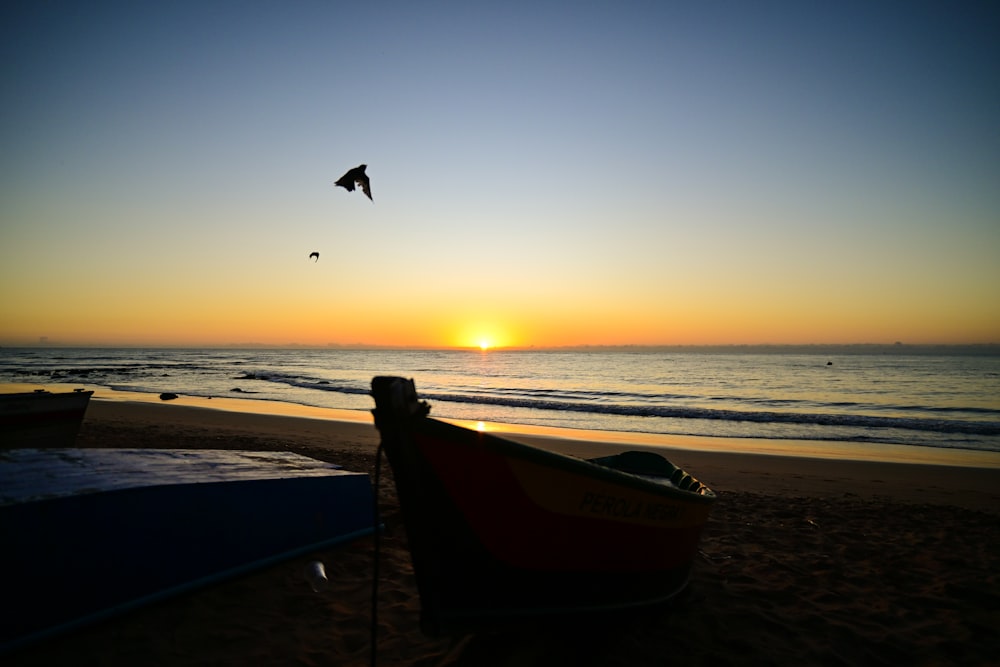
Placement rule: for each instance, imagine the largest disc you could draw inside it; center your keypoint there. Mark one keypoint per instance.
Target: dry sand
(805, 561)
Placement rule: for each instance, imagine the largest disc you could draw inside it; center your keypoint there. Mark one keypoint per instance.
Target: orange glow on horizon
(141, 313)
(481, 334)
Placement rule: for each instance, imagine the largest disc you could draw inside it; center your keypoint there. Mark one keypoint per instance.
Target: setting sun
(481, 333)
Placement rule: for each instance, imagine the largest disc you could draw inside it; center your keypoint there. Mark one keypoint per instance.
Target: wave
(318, 384)
(760, 417)
(604, 403)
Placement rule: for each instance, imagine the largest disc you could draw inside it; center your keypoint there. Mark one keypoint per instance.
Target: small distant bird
(358, 176)
(314, 254)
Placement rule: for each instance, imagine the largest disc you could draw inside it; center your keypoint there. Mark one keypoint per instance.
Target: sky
(543, 173)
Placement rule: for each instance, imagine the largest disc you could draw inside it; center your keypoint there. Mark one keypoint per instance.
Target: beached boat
(502, 533)
(88, 534)
(42, 418)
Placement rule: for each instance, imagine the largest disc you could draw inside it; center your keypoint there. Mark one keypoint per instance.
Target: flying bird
(314, 254)
(356, 176)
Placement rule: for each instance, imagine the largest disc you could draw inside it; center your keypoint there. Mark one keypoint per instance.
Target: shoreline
(355, 441)
(579, 442)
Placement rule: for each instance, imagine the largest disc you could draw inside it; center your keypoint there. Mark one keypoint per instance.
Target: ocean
(857, 395)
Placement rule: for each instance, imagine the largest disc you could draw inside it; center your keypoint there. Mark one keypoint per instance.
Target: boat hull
(42, 418)
(504, 533)
(92, 533)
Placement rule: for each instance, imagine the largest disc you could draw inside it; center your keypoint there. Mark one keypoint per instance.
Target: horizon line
(897, 345)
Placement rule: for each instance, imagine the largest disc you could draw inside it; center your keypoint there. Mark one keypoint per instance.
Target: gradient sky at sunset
(543, 173)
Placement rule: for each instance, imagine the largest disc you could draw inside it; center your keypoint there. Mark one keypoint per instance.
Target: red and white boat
(503, 533)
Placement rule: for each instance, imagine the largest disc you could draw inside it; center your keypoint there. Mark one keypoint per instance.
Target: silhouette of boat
(42, 418)
(95, 533)
(503, 534)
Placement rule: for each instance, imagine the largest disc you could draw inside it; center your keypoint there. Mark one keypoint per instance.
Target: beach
(805, 560)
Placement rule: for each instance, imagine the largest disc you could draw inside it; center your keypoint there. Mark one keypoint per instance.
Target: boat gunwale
(426, 425)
